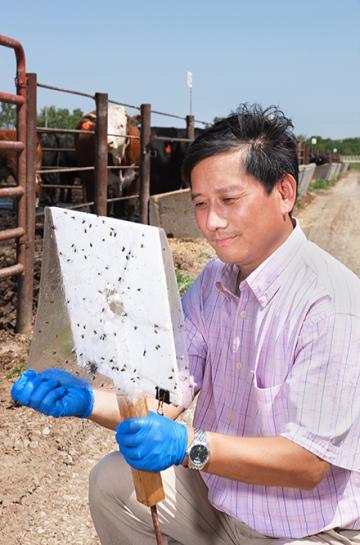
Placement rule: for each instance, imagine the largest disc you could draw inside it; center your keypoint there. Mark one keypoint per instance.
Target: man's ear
(286, 187)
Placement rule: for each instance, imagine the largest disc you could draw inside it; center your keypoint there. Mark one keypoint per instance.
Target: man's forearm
(269, 461)
(106, 411)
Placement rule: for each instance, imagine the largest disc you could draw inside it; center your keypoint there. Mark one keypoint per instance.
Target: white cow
(116, 128)
(117, 143)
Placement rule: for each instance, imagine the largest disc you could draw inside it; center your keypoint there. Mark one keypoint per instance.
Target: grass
(207, 253)
(184, 281)
(15, 372)
(355, 166)
(321, 184)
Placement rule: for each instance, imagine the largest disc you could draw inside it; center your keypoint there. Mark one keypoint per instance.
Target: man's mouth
(223, 240)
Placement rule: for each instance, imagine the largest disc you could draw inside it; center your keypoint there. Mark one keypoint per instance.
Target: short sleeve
(195, 331)
(323, 390)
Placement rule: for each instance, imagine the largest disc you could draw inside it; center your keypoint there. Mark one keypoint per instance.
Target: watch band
(198, 452)
(200, 436)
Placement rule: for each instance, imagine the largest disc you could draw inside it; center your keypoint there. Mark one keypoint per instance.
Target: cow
(67, 159)
(130, 177)
(85, 150)
(8, 160)
(49, 143)
(54, 156)
(166, 159)
(319, 157)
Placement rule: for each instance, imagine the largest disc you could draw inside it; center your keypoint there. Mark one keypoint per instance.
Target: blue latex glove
(152, 443)
(54, 392)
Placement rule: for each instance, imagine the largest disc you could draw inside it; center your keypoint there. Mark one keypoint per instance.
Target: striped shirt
(282, 358)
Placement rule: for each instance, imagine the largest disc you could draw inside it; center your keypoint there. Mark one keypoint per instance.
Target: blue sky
(301, 55)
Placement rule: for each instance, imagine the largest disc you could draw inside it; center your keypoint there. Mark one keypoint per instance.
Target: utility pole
(189, 82)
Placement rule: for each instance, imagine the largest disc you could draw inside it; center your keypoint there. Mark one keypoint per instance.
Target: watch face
(198, 454)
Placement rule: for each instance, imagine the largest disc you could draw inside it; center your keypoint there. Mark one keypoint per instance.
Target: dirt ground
(44, 463)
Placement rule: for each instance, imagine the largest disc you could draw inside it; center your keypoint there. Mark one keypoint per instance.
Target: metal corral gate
(24, 192)
(24, 233)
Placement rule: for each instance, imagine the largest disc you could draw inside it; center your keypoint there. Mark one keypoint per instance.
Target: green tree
(49, 116)
(7, 116)
(60, 118)
(217, 119)
(346, 146)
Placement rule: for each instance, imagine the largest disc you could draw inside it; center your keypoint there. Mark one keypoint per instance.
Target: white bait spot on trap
(114, 283)
(113, 299)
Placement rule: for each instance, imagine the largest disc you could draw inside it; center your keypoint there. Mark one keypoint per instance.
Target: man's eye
(200, 204)
(229, 200)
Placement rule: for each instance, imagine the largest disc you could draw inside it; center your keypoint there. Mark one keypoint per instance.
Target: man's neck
(246, 271)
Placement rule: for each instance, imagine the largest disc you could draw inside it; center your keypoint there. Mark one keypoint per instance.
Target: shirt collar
(267, 278)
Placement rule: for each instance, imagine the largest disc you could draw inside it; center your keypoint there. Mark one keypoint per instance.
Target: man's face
(238, 218)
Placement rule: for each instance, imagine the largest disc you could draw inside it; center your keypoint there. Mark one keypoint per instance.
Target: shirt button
(239, 365)
(243, 314)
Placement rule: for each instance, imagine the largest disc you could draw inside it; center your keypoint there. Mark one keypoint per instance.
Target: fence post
(306, 154)
(26, 294)
(101, 154)
(23, 317)
(190, 127)
(145, 141)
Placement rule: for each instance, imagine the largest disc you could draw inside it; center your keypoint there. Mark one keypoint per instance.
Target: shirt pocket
(265, 407)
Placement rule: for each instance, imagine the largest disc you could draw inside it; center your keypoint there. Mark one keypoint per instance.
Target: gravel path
(333, 220)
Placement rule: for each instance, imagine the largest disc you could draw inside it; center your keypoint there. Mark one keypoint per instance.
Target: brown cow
(131, 176)
(8, 159)
(121, 151)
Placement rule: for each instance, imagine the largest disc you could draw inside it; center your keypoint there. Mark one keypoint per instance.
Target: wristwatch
(198, 452)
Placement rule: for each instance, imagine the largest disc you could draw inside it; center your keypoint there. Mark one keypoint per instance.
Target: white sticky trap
(109, 297)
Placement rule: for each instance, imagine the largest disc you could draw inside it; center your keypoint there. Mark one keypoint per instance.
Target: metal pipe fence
(171, 139)
(24, 233)
(25, 146)
(101, 179)
(63, 90)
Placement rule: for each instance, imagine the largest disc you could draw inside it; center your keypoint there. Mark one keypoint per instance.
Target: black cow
(166, 159)
(49, 141)
(67, 158)
(59, 159)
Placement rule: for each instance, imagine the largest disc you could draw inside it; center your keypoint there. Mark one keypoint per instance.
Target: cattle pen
(101, 167)
(24, 192)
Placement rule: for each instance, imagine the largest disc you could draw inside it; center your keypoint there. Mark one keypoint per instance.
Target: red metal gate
(23, 267)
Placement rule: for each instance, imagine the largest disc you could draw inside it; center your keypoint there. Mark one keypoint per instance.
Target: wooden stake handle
(148, 485)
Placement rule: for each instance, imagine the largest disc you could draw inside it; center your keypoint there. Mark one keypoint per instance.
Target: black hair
(266, 136)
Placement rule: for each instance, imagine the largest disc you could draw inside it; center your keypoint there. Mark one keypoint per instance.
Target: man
(273, 330)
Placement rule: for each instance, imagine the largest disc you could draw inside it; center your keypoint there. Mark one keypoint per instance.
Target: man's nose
(215, 219)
